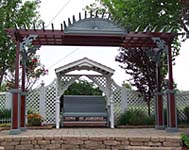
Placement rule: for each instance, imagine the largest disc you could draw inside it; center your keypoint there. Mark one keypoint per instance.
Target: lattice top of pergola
(92, 30)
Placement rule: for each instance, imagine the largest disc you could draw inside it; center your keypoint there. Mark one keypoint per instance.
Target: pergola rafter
(93, 30)
(58, 37)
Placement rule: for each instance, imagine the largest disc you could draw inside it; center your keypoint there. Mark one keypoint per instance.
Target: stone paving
(97, 132)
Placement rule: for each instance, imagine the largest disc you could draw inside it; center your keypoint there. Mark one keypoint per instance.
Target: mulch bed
(31, 127)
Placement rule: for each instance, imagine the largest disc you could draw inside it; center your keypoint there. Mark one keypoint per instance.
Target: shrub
(186, 112)
(135, 117)
(185, 138)
(5, 113)
(34, 119)
(150, 120)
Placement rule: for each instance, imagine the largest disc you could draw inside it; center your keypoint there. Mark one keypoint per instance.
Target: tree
(169, 14)
(145, 14)
(14, 13)
(34, 70)
(83, 87)
(141, 70)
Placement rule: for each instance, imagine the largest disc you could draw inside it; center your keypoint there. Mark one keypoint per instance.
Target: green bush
(150, 120)
(5, 113)
(185, 138)
(135, 117)
(186, 112)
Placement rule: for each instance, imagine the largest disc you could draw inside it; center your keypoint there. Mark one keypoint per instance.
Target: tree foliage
(83, 87)
(34, 70)
(169, 14)
(14, 13)
(142, 71)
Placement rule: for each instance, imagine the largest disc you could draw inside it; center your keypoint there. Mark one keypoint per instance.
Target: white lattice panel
(32, 100)
(50, 103)
(2, 100)
(182, 100)
(116, 96)
(101, 81)
(136, 102)
(65, 81)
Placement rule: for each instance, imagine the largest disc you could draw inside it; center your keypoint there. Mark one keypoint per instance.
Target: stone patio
(93, 132)
(93, 138)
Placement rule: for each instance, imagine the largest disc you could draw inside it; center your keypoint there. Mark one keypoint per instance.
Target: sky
(53, 57)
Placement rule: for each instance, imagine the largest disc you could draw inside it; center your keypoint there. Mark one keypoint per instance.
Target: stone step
(153, 148)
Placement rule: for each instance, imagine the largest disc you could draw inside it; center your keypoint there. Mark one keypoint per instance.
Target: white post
(42, 101)
(8, 102)
(111, 102)
(123, 99)
(111, 113)
(57, 112)
(57, 106)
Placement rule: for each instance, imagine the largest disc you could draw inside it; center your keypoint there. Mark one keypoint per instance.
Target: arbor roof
(85, 64)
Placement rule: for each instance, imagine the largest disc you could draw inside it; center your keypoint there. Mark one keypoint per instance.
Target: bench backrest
(82, 103)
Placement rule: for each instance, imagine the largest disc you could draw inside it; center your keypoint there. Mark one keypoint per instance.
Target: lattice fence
(32, 100)
(133, 101)
(182, 100)
(136, 102)
(116, 92)
(50, 102)
(2, 100)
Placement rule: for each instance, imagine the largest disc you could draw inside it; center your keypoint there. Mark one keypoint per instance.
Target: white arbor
(103, 80)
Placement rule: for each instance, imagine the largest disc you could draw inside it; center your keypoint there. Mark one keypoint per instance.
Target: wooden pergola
(91, 31)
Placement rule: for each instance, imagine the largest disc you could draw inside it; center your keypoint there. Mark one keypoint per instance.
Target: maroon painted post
(23, 100)
(171, 103)
(15, 119)
(159, 122)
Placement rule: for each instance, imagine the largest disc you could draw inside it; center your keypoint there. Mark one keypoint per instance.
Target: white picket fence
(43, 99)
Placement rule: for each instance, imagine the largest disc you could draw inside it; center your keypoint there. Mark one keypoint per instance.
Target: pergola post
(23, 97)
(15, 115)
(159, 113)
(171, 103)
